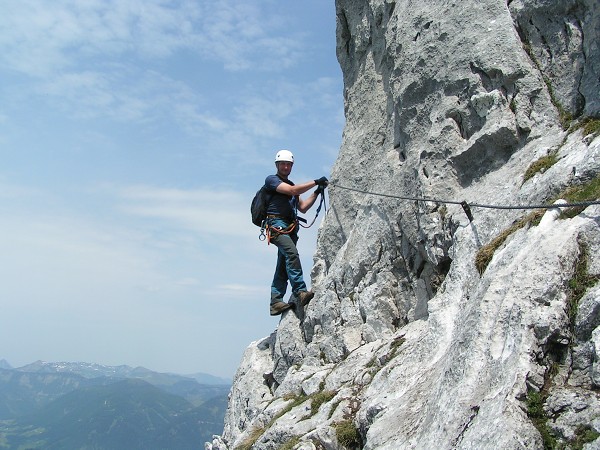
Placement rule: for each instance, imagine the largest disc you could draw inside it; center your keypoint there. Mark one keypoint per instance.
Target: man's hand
(322, 182)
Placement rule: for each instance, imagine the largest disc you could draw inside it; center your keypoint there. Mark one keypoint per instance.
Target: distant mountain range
(92, 370)
(84, 405)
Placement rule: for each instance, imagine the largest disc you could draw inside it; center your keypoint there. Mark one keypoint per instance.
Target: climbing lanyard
(321, 203)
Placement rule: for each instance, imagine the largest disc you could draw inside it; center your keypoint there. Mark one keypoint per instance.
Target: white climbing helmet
(284, 155)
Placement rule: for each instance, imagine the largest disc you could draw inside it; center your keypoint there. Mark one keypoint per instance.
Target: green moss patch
(319, 398)
(590, 125)
(289, 445)
(535, 411)
(486, 253)
(541, 165)
(581, 193)
(579, 283)
(251, 439)
(584, 434)
(347, 434)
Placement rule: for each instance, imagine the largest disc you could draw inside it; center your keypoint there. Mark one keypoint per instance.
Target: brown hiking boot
(279, 307)
(305, 296)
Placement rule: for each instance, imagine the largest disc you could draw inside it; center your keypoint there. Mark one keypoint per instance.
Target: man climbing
(282, 226)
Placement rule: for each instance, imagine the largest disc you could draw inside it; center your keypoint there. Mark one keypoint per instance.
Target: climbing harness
(265, 231)
(265, 228)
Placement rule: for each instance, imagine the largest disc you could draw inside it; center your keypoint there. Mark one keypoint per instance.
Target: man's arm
(284, 188)
(296, 190)
(306, 204)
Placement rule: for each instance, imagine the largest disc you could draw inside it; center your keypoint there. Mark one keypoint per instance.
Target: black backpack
(259, 206)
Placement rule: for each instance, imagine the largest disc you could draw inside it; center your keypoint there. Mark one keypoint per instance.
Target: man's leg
(293, 268)
(280, 279)
(298, 285)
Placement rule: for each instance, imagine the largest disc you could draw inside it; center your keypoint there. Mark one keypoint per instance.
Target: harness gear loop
(288, 230)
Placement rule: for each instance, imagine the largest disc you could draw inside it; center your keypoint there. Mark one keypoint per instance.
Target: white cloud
(205, 212)
(125, 95)
(264, 113)
(235, 34)
(17, 192)
(38, 39)
(238, 292)
(169, 244)
(110, 59)
(66, 261)
(119, 60)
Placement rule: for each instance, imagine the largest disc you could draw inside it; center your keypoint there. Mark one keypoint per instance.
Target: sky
(133, 136)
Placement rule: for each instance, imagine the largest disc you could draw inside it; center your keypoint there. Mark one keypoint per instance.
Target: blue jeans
(288, 262)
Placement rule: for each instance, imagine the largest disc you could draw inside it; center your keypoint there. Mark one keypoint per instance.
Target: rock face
(408, 343)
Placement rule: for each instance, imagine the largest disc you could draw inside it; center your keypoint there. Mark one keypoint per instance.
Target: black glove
(319, 190)
(322, 182)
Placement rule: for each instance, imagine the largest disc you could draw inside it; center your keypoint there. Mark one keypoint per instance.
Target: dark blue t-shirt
(280, 204)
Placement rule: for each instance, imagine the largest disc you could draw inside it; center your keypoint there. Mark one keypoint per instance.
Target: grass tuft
(289, 445)
(580, 193)
(591, 125)
(295, 401)
(318, 399)
(541, 165)
(535, 410)
(251, 440)
(579, 283)
(574, 194)
(584, 434)
(486, 253)
(395, 346)
(347, 434)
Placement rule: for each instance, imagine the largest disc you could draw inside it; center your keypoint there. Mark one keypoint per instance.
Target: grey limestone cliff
(415, 338)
